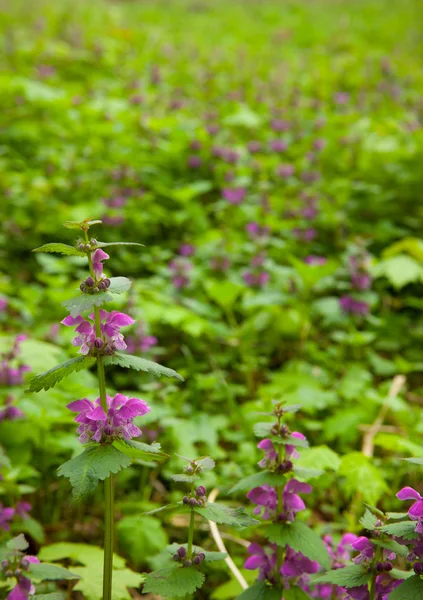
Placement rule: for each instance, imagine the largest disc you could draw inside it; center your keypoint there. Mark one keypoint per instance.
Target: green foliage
(94, 464)
(301, 538)
(86, 302)
(411, 589)
(258, 479)
(60, 249)
(348, 577)
(141, 537)
(50, 378)
(119, 285)
(405, 529)
(45, 571)
(361, 475)
(261, 591)
(174, 581)
(236, 517)
(140, 364)
(139, 450)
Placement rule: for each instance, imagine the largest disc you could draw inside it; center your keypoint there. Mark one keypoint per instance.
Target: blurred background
(268, 154)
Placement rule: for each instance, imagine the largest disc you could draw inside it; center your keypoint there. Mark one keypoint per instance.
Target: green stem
(108, 483)
(190, 534)
(377, 558)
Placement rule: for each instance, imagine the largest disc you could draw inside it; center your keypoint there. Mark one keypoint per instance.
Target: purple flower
(254, 147)
(187, 250)
(278, 145)
(361, 281)
(270, 456)
(180, 268)
(9, 412)
(194, 161)
(261, 559)
(306, 235)
(234, 195)
(384, 586)
(290, 448)
(315, 261)
(256, 279)
(341, 98)
(265, 497)
(256, 231)
(220, 263)
(140, 342)
(6, 515)
(415, 511)
(111, 339)
(3, 304)
(365, 548)
(353, 306)
(22, 590)
(98, 426)
(285, 170)
(319, 144)
(22, 509)
(292, 502)
(98, 256)
(296, 564)
(280, 125)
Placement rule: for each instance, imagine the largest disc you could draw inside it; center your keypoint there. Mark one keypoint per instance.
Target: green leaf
(368, 520)
(140, 450)
(415, 461)
(119, 285)
(161, 508)
(295, 593)
(94, 464)
(174, 581)
(405, 529)
(400, 270)
(84, 225)
(301, 539)
(392, 546)
(219, 513)
(223, 293)
(45, 571)
(260, 591)
(84, 554)
(48, 379)
(257, 480)
(181, 477)
(361, 475)
(411, 589)
(319, 457)
(91, 583)
(206, 463)
(60, 249)
(142, 537)
(86, 302)
(306, 474)
(34, 528)
(53, 596)
(105, 244)
(128, 361)
(17, 543)
(351, 576)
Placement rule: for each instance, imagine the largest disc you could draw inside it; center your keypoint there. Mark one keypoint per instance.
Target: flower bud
(201, 556)
(4, 564)
(388, 566)
(89, 281)
(188, 563)
(182, 552)
(196, 560)
(380, 566)
(284, 431)
(102, 285)
(418, 568)
(107, 282)
(93, 242)
(188, 469)
(98, 343)
(82, 287)
(18, 573)
(176, 557)
(25, 563)
(81, 247)
(185, 500)
(108, 430)
(9, 573)
(192, 502)
(201, 490)
(285, 466)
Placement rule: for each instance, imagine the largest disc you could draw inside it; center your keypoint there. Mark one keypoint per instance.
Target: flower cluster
(12, 373)
(256, 276)
(110, 338)
(139, 341)
(180, 268)
(98, 283)
(360, 280)
(97, 425)
(197, 498)
(16, 565)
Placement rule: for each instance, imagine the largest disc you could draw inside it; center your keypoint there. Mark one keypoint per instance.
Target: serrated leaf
(260, 591)
(257, 480)
(94, 464)
(404, 529)
(53, 596)
(306, 474)
(361, 475)
(161, 508)
(47, 572)
(140, 450)
(392, 546)
(411, 589)
(300, 538)
(368, 520)
(49, 378)
(395, 516)
(295, 593)
(84, 554)
(174, 581)
(206, 463)
(86, 302)
(60, 249)
(128, 361)
(119, 285)
(351, 576)
(219, 513)
(91, 582)
(415, 461)
(105, 244)
(17, 543)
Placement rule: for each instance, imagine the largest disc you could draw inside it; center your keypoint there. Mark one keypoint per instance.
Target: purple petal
(416, 510)
(408, 493)
(99, 255)
(253, 562)
(265, 444)
(80, 405)
(97, 414)
(70, 321)
(120, 319)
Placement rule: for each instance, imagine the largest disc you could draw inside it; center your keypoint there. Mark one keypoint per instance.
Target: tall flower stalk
(105, 425)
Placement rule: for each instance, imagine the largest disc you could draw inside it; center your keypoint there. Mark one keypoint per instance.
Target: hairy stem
(190, 534)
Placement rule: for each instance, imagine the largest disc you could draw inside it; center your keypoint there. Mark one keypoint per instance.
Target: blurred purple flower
(285, 170)
(6, 515)
(187, 250)
(234, 195)
(365, 548)
(254, 147)
(262, 559)
(179, 268)
(306, 235)
(194, 161)
(278, 145)
(353, 306)
(9, 412)
(280, 125)
(314, 260)
(257, 231)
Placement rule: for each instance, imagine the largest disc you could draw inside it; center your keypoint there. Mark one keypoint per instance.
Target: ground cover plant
(253, 171)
